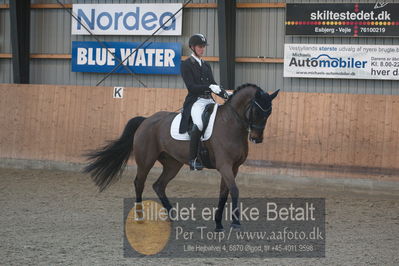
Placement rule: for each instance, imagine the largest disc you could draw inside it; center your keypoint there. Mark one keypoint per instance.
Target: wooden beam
(5, 56)
(50, 56)
(204, 5)
(259, 60)
(261, 5)
(58, 6)
(206, 58)
(41, 56)
(49, 6)
(199, 5)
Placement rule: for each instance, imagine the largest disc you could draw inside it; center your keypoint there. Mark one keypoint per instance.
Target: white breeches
(198, 109)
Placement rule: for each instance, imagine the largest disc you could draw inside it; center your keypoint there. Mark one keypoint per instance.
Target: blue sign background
(92, 57)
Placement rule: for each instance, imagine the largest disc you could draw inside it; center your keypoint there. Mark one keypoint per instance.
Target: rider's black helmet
(197, 39)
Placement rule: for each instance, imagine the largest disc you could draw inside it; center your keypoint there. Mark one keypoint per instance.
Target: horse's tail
(108, 162)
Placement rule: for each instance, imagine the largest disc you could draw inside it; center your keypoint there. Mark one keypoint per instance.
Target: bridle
(247, 121)
(265, 114)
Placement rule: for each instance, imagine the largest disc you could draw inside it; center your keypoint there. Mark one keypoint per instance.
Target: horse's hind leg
(143, 168)
(170, 169)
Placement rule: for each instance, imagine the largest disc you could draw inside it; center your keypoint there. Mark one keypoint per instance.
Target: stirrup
(195, 165)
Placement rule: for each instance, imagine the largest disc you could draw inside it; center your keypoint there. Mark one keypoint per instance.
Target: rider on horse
(198, 77)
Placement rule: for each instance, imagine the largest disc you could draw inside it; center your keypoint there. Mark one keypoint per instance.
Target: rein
(247, 122)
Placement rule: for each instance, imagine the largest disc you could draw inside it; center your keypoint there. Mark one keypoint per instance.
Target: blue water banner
(151, 58)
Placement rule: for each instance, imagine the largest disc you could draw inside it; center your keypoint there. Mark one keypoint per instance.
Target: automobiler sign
(127, 19)
(341, 61)
(352, 20)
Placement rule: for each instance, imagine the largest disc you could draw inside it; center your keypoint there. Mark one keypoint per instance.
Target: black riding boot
(194, 141)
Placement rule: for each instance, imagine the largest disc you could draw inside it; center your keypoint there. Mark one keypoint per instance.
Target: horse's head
(252, 106)
(259, 110)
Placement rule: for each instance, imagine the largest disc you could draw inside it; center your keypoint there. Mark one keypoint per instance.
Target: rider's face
(199, 50)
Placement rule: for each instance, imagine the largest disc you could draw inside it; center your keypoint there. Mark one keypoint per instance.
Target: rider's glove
(215, 88)
(224, 94)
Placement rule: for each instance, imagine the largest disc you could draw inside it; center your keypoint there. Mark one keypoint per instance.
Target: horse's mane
(245, 85)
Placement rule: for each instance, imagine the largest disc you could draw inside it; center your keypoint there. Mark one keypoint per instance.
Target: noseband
(265, 113)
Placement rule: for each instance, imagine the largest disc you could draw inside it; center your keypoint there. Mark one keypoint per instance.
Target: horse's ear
(274, 94)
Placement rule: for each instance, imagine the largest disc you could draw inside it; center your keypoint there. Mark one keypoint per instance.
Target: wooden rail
(261, 5)
(59, 123)
(50, 56)
(42, 56)
(259, 60)
(199, 5)
(49, 6)
(206, 58)
(5, 56)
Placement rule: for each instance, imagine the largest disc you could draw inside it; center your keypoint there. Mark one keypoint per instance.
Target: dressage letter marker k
(118, 92)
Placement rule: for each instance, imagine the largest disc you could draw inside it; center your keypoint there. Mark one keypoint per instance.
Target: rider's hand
(215, 88)
(224, 94)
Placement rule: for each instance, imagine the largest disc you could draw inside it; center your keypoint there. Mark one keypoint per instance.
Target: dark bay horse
(243, 116)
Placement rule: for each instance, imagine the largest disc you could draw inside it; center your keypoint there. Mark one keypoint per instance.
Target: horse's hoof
(139, 220)
(235, 226)
(219, 229)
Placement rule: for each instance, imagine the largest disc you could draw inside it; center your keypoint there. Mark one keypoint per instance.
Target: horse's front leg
(228, 176)
(224, 193)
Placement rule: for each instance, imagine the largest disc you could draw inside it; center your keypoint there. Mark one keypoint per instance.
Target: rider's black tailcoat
(197, 79)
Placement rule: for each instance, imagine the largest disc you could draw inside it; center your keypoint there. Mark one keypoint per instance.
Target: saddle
(208, 119)
(206, 115)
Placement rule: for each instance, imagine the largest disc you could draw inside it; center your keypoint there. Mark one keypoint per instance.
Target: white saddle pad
(174, 129)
